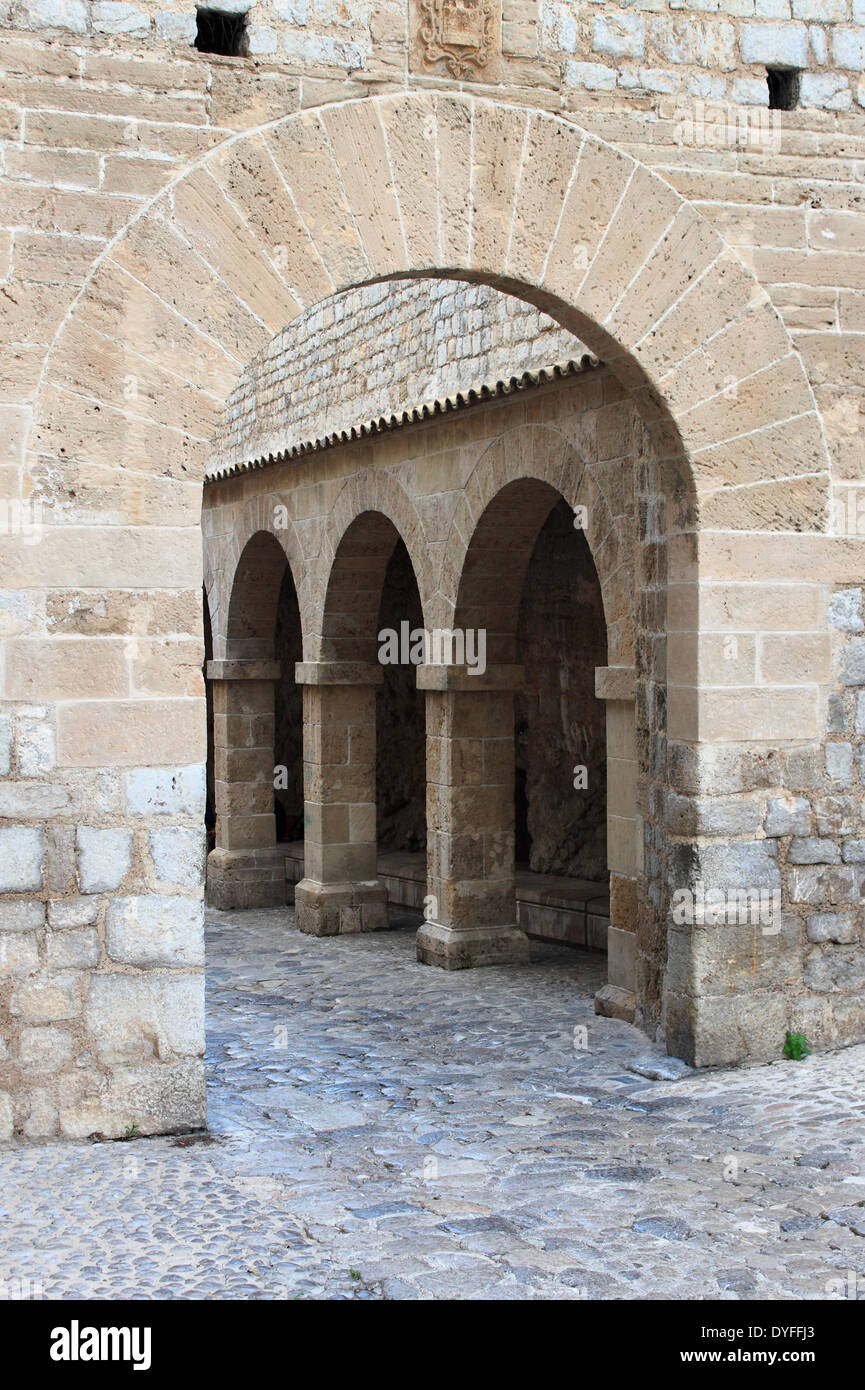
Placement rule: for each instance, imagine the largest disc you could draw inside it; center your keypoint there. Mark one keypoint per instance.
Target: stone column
(617, 686)
(340, 891)
(247, 867)
(470, 818)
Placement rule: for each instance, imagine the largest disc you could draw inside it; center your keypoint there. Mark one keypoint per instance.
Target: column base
(455, 948)
(335, 909)
(246, 878)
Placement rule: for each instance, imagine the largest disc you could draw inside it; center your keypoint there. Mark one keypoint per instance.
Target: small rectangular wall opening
(219, 32)
(783, 88)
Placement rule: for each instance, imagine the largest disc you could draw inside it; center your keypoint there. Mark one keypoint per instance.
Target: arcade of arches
(478, 791)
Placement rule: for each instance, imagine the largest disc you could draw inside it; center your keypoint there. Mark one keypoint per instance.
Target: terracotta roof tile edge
(442, 405)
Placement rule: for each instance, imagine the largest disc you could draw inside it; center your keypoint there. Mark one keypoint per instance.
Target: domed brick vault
(690, 440)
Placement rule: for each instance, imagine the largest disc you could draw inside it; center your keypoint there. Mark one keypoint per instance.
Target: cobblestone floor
(382, 1129)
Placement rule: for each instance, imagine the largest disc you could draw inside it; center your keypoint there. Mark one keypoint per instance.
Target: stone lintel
(338, 673)
(243, 670)
(469, 678)
(616, 682)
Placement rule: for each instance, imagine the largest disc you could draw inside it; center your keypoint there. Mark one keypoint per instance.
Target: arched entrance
(414, 185)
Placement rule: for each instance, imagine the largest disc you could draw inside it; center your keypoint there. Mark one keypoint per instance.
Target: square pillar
(340, 891)
(246, 868)
(470, 818)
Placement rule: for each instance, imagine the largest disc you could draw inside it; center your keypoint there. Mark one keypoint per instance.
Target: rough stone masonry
(670, 199)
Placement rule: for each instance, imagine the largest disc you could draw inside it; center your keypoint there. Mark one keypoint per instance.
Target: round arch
(464, 187)
(352, 589)
(542, 454)
(263, 516)
(367, 495)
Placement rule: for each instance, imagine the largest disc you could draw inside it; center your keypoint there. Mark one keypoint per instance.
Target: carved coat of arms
(462, 32)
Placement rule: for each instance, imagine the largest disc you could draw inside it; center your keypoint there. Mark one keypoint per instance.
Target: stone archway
(512, 488)
(358, 191)
(415, 185)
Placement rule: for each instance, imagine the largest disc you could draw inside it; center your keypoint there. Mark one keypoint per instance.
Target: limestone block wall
(717, 50)
(94, 127)
(783, 815)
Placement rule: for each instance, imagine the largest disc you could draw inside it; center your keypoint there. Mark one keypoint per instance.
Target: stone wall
(382, 351)
(717, 50)
(787, 821)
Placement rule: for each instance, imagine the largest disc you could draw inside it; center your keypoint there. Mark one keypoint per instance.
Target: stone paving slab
(382, 1129)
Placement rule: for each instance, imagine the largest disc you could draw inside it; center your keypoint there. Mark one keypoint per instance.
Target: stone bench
(550, 907)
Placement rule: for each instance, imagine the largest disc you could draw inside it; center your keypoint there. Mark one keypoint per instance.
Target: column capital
(338, 673)
(469, 678)
(616, 682)
(243, 670)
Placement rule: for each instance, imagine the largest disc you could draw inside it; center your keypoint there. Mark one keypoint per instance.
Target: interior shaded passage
(529, 581)
(400, 727)
(559, 724)
(210, 793)
(288, 716)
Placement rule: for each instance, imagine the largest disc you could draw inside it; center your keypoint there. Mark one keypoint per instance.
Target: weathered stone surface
(156, 792)
(19, 954)
(178, 856)
(76, 948)
(845, 610)
(752, 864)
(73, 912)
(135, 1017)
(45, 1049)
(853, 662)
(104, 857)
(659, 1068)
(834, 926)
(611, 1001)
(47, 999)
(788, 816)
(152, 930)
(21, 848)
(165, 1096)
(5, 747)
(810, 850)
(21, 914)
(839, 761)
(840, 971)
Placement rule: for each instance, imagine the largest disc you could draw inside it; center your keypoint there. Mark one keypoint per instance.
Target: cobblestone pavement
(379, 1128)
